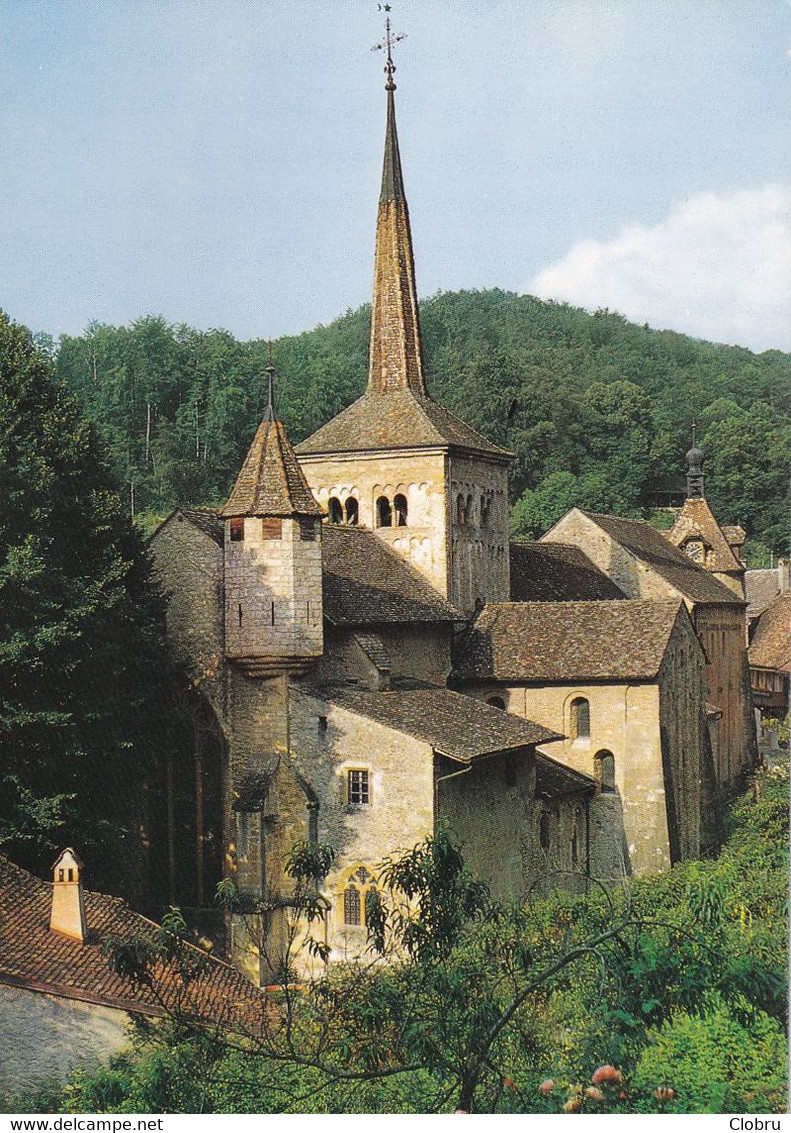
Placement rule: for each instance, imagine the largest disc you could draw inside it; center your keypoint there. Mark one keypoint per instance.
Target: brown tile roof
(696, 520)
(271, 481)
(657, 552)
(559, 642)
(770, 647)
(367, 583)
(455, 725)
(557, 572)
(397, 419)
(32, 956)
(762, 587)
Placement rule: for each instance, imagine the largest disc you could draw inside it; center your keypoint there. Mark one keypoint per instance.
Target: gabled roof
(557, 572)
(657, 552)
(206, 520)
(271, 482)
(455, 725)
(563, 642)
(396, 419)
(696, 521)
(770, 647)
(761, 587)
(367, 583)
(32, 956)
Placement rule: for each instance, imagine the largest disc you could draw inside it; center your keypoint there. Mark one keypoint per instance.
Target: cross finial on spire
(387, 45)
(694, 427)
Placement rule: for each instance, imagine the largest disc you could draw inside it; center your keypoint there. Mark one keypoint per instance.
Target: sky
(218, 163)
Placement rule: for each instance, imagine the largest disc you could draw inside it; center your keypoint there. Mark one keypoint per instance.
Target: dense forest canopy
(597, 411)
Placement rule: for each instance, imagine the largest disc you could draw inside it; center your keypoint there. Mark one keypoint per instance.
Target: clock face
(694, 548)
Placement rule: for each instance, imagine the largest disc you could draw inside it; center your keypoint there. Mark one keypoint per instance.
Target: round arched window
(384, 512)
(604, 769)
(335, 510)
(352, 511)
(400, 506)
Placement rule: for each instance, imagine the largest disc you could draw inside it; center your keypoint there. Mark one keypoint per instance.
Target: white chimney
(68, 905)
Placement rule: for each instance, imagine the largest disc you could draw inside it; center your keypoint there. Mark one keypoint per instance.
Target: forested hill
(597, 410)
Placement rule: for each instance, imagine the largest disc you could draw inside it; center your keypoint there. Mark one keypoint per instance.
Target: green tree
(82, 659)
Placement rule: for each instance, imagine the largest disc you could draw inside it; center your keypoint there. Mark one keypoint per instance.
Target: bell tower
(272, 551)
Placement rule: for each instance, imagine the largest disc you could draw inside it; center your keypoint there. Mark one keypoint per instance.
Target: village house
(62, 1005)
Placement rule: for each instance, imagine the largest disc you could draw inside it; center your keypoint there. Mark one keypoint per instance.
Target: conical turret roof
(271, 481)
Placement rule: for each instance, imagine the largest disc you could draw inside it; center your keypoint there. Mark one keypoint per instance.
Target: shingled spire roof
(396, 357)
(396, 411)
(271, 481)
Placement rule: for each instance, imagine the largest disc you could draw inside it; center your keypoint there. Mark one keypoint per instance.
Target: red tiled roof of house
(33, 956)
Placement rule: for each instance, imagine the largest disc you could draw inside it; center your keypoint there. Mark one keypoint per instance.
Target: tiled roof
(32, 956)
(271, 481)
(374, 648)
(770, 647)
(207, 520)
(762, 587)
(557, 572)
(558, 642)
(455, 725)
(696, 520)
(366, 583)
(657, 552)
(394, 420)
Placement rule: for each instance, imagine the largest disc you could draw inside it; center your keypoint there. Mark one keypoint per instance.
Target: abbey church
(376, 658)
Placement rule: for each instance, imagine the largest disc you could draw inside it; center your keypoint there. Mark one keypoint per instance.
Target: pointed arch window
(335, 510)
(352, 511)
(358, 885)
(384, 512)
(400, 507)
(580, 722)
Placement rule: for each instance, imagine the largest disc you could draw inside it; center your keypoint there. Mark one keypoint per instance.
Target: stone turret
(272, 550)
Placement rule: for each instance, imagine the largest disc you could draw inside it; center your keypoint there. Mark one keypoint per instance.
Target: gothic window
(352, 511)
(271, 527)
(335, 510)
(400, 505)
(384, 512)
(543, 831)
(496, 702)
(580, 723)
(355, 891)
(307, 530)
(357, 788)
(236, 531)
(604, 769)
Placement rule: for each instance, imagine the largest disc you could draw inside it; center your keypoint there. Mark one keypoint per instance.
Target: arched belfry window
(486, 511)
(384, 512)
(352, 511)
(335, 510)
(359, 883)
(461, 510)
(604, 769)
(400, 507)
(580, 722)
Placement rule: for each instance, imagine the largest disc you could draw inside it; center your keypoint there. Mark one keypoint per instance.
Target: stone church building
(374, 658)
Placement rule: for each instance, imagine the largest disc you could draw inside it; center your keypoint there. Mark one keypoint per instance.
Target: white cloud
(718, 267)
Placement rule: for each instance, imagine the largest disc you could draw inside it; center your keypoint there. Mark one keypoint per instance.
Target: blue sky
(218, 163)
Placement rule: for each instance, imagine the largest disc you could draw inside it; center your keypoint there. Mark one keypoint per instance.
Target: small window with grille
(357, 789)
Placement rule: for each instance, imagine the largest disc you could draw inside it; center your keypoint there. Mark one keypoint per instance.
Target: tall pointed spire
(396, 357)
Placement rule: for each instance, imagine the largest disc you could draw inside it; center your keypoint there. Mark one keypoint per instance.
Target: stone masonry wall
(479, 532)
(682, 721)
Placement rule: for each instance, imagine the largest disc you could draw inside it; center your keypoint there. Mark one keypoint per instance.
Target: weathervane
(270, 374)
(387, 45)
